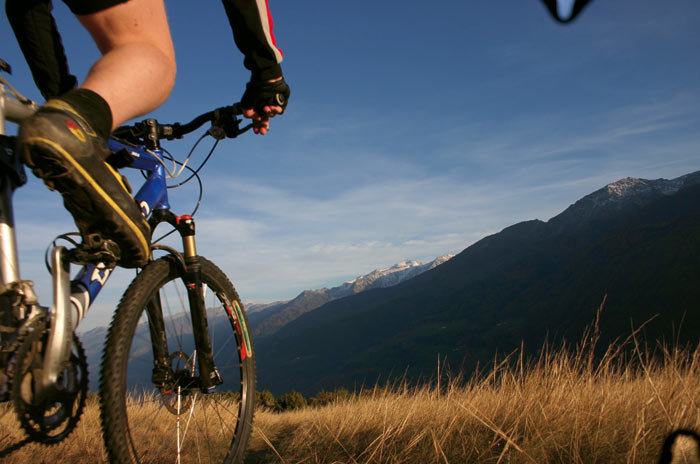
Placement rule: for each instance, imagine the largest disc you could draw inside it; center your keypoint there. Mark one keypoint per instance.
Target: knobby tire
(122, 437)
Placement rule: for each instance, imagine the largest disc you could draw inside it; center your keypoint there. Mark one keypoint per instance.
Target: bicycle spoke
(178, 335)
(182, 303)
(216, 403)
(187, 426)
(179, 449)
(206, 431)
(223, 346)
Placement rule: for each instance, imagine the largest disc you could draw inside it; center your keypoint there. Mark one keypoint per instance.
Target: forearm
(252, 27)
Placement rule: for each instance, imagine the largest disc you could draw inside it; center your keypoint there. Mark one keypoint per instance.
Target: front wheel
(149, 418)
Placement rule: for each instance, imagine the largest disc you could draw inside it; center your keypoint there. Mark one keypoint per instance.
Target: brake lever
(227, 125)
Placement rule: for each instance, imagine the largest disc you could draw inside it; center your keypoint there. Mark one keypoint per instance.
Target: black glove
(259, 94)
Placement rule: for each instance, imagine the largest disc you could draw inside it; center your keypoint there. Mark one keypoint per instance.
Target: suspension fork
(162, 373)
(209, 376)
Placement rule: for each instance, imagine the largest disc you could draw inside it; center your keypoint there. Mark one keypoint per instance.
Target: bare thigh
(130, 22)
(137, 69)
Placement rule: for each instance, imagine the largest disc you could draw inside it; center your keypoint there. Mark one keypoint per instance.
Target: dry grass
(562, 409)
(565, 407)
(205, 433)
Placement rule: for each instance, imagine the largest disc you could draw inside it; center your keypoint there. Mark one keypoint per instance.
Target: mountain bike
(177, 380)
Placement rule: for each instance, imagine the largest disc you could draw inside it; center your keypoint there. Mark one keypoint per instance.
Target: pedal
(94, 250)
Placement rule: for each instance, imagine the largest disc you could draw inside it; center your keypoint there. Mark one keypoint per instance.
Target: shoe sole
(57, 175)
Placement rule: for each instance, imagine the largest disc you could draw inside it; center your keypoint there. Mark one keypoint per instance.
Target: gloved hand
(259, 94)
(263, 100)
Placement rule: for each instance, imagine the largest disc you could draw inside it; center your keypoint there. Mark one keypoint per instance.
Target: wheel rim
(179, 423)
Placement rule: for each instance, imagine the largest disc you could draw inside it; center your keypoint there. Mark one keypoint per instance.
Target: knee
(157, 57)
(155, 64)
(168, 68)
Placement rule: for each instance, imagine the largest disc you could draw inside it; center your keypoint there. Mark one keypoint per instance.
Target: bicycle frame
(152, 196)
(73, 298)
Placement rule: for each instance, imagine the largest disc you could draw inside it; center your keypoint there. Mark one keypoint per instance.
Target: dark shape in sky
(553, 7)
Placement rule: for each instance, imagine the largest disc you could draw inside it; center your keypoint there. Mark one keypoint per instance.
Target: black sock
(93, 108)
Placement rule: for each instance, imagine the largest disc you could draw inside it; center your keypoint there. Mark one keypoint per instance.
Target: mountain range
(635, 241)
(267, 319)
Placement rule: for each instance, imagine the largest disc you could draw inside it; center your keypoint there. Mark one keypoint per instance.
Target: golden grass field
(565, 407)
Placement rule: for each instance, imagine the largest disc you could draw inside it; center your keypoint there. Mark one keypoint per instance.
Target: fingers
(272, 110)
(261, 127)
(261, 124)
(262, 121)
(268, 111)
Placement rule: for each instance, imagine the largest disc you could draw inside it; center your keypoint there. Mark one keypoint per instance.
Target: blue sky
(413, 129)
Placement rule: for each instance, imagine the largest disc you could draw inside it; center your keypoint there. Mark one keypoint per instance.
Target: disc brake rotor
(178, 399)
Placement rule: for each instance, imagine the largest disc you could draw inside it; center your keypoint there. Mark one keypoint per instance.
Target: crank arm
(61, 327)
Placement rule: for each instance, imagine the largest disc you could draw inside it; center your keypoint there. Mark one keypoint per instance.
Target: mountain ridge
(271, 319)
(531, 280)
(622, 194)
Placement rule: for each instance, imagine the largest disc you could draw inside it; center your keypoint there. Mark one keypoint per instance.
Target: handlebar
(218, 116)
(224, 120)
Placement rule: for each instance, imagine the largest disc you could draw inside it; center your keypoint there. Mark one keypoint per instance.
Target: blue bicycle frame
(153, 195)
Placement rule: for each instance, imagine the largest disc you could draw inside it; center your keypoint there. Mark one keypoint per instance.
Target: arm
(267, 92)
(253, 33)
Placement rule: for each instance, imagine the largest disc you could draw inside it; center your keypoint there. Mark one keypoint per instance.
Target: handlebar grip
(237, 109)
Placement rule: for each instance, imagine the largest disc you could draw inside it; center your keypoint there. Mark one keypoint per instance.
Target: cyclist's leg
(64, 142)
(137, 69)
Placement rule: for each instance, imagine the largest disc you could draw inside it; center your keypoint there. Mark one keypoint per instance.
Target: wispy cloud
(642, 140)
(302, 242)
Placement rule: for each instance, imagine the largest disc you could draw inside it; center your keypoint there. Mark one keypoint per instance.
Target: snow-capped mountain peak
(386, 277)
(627, 186)
(629, 191)
(631, 186)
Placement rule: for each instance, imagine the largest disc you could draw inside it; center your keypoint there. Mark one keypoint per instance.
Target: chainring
(50, 420)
